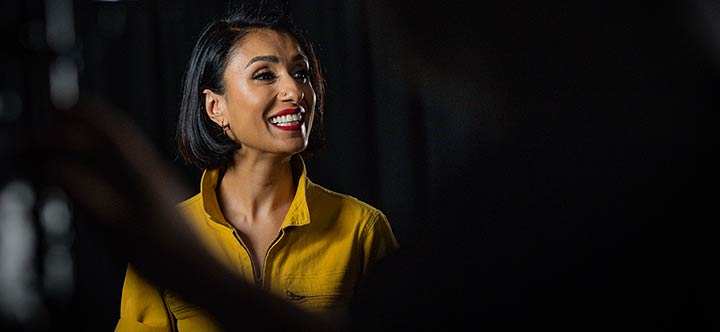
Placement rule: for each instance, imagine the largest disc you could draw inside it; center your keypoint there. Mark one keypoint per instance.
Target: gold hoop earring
(225, 128)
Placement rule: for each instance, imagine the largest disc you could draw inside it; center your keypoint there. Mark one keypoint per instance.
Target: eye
(265, 76)
(302, 75)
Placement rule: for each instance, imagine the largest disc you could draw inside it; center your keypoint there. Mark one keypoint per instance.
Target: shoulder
(193, 200)
(318, 192)
(191, 204)
(343, 205)
(367, 223)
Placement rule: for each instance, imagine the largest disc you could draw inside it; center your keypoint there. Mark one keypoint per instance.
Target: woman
(252, 103)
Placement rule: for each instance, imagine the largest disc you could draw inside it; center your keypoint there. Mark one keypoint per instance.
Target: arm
(378, 241)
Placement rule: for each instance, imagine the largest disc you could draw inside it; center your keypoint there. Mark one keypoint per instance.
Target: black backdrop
(558, 141)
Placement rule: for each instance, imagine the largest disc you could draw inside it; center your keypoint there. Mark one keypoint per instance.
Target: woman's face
(269, 101)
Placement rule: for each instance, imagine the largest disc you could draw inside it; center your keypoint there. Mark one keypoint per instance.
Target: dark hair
(201, 141)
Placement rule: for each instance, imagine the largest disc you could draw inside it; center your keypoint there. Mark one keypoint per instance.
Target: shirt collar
(297, 215)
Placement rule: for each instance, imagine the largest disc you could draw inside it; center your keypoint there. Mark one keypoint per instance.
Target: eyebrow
(274, 59)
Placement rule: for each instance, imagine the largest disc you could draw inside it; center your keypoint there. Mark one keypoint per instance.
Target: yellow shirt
(325, 246)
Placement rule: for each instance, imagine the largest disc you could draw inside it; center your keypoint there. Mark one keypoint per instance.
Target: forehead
(261, 42)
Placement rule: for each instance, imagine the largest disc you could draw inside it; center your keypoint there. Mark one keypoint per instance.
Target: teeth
(286, 120)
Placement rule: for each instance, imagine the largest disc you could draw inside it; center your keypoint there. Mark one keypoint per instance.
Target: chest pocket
(320, 292)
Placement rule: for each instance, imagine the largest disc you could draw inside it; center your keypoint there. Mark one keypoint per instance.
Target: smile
(289, 119)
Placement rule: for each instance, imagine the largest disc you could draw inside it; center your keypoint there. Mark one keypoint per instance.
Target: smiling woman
(252, 108)
(267, 68)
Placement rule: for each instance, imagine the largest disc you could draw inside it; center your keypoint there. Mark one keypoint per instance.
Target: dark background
(544, 153)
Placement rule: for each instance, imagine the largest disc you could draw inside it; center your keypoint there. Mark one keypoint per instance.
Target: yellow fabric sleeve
(379, 240)
(142, 307)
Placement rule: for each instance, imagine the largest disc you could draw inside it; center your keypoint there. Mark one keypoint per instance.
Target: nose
(290, 89)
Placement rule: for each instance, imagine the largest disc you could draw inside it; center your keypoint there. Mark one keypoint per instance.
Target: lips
(288, 119)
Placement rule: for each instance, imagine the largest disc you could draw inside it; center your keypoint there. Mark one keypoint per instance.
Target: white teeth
(286, 120)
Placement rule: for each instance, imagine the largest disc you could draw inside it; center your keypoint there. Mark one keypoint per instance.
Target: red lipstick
(286, 112)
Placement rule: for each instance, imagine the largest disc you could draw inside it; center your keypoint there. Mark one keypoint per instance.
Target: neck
(252, 188)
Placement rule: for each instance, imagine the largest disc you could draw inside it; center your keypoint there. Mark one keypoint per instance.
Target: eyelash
(269, 75)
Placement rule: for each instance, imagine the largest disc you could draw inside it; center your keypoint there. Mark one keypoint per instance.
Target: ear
(214, 106)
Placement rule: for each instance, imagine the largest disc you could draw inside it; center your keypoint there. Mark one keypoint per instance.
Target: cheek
(310, 97)
(248, 100)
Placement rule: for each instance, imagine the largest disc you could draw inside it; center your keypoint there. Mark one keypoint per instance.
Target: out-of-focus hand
(119, 180)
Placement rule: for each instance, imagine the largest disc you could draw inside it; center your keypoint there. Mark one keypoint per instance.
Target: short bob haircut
(201, 142)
